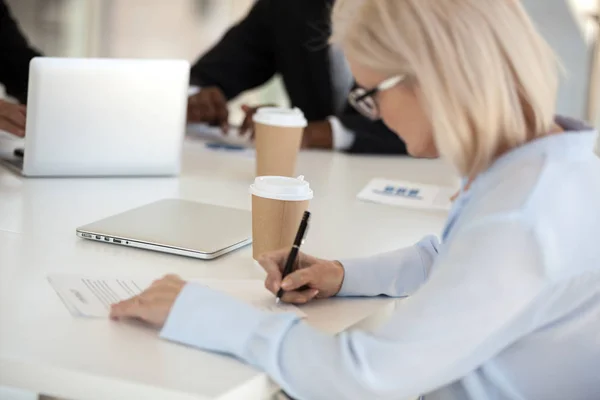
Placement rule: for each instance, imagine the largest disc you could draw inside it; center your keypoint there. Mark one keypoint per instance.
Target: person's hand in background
(312, 277)
(153, 305)
(318, 135)
(247, 127)
(209, 105)
(12, 118)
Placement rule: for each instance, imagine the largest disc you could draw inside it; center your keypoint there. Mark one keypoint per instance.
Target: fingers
(273, 264)
(199, 110)
(207, 111)
(299, 278)
(247, 123)
(155, 296)
(247, 126)
(169, 278)
(15, 114)
(12, 118)
(154, 304)
(274, 260)
(131, 308)
(172, 278)
(153, 312)
(161, 287)
(208, 106)
(273, 279)
(10, 127)
(166, 288)
(221, 113)
(300, 297)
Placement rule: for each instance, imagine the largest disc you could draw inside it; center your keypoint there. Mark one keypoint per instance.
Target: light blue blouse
(508, 307)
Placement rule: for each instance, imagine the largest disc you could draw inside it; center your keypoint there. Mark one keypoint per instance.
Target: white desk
(44, 349)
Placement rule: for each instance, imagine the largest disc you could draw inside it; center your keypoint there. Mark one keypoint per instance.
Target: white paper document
(92, 296)
(215, 134)
(408, 194)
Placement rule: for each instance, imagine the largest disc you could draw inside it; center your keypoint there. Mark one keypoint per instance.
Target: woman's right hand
(12, 118)
(323, 278)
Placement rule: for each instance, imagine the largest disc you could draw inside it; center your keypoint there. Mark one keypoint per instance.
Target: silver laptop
(174, 226)
(104, 117)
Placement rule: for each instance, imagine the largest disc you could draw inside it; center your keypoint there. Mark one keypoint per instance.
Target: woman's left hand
(154, 304)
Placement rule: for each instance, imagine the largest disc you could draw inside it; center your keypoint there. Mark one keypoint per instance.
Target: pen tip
(277, 300)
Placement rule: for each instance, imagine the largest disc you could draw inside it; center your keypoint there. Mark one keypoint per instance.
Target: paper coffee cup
(278, 204)
(278, 135)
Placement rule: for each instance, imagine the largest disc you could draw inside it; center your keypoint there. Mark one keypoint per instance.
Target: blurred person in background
(289, 38)
(15, 55)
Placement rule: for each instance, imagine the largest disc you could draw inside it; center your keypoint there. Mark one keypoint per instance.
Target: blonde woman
(508, 305)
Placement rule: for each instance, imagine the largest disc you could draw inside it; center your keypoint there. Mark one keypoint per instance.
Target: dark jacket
(15, 54)
(288, 37)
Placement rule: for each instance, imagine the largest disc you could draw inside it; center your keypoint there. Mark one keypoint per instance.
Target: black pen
(291, 260)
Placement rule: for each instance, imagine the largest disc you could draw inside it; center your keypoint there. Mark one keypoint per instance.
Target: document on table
(233, 142)
(215, 134)
(91, 296)
(407, 194)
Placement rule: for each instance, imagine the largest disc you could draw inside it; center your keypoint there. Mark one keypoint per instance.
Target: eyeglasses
(364, 100)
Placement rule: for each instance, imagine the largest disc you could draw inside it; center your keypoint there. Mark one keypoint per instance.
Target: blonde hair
(487, 78)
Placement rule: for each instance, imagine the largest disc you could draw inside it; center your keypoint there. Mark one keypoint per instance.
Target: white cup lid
(279, 116)
(281, 188)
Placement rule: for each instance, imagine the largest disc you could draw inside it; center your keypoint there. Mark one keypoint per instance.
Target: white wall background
(584, 10)
(563, 31)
